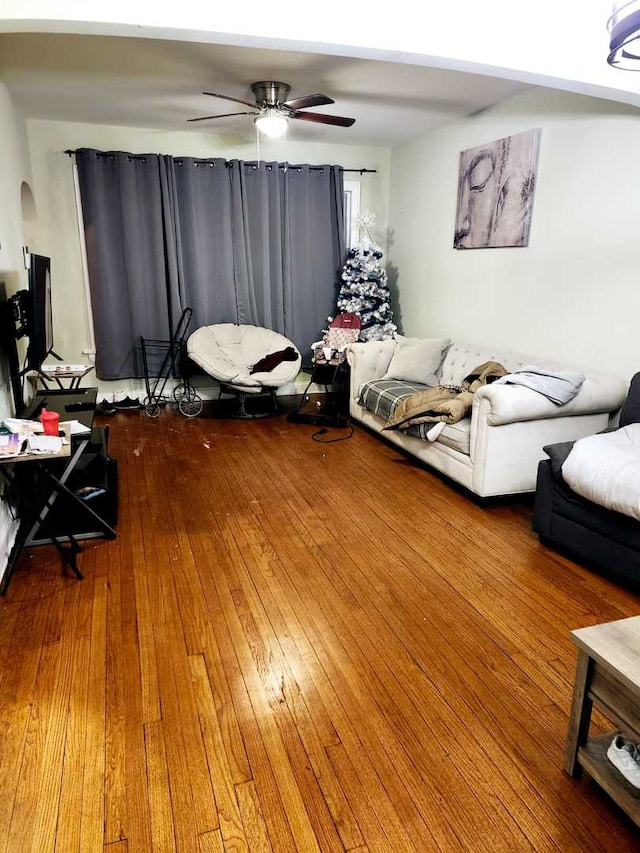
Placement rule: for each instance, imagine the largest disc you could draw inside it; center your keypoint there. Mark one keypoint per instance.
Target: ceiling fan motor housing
(269, 93)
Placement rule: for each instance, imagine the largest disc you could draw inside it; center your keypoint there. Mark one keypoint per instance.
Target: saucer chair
(246, 360)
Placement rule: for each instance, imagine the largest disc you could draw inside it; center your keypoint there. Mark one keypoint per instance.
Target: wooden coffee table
(607, 675)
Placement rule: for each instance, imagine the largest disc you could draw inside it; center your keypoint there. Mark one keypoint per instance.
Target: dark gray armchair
(603, 540)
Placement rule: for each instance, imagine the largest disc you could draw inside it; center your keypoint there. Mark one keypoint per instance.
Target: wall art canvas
(496, 185)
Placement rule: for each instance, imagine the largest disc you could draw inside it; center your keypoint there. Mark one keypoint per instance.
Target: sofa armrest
(368, 360)
(509, 404)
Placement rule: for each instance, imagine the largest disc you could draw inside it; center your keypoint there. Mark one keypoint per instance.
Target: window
(351, 210)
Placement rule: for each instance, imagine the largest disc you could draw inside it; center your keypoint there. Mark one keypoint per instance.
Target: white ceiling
(154, 83)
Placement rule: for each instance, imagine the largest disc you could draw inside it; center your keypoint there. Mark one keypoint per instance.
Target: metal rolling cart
(172, 359)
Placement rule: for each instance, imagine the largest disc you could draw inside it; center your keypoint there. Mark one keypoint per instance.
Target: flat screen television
(40, 319)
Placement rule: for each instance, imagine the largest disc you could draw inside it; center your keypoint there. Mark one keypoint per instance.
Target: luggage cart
(172, 359)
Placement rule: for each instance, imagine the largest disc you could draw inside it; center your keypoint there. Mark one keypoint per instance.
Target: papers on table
(76, 428)
(20, 438)
(22, 425)
(10, 444)
(17, 444)
(43, 444)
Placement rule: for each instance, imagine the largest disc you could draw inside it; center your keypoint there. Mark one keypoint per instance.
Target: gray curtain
(313, 249)
(288, 237)
(203, 210)
(133, 266)
(260, 244)
(237, 242)
(257, 208)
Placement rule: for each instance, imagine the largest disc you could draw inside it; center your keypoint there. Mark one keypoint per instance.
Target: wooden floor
(294, 647)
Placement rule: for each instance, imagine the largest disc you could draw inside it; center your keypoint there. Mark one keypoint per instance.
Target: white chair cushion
(228, 351)
(605, 469)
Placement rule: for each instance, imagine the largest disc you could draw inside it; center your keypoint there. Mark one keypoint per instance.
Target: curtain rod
(71, 152)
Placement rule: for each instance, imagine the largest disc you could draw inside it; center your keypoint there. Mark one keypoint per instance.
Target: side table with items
(333, 410)
(46, 488)
(329, 367)
(608, 676)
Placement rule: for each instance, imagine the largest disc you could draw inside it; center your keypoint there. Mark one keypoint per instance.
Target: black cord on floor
(324, 431)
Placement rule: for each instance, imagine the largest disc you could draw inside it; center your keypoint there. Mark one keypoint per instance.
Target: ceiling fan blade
(229, 98)
(308, 101)
(223, 115)
(322, 118)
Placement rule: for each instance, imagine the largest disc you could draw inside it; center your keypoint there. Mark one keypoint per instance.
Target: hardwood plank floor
(296, 646)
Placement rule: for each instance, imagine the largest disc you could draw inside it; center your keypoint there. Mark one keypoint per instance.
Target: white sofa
(495, 451)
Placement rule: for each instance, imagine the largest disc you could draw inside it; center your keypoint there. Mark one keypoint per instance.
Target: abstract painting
(495, 192)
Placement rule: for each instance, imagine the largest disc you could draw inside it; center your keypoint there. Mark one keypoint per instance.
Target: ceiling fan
(273, 110)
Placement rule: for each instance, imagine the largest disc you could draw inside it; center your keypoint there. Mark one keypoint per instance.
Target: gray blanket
(557, 387)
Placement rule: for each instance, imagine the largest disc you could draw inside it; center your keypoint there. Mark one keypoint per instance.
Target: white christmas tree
(364, 288)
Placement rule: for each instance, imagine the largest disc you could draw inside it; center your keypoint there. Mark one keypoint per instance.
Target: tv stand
(74, 373)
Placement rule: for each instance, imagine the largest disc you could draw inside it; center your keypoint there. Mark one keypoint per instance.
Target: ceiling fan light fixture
(272, 123)
(624, 34)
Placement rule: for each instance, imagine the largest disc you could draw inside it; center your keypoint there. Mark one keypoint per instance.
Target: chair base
(241, 410)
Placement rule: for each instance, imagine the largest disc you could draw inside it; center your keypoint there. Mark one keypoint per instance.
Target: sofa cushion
(456, 436)
(381, 396)
(416, 360)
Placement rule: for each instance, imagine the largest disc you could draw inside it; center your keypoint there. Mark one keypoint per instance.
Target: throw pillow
(558, 453)
(417, 359)
(271, 361)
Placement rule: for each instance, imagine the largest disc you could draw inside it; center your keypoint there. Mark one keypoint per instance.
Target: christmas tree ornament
(365, 222)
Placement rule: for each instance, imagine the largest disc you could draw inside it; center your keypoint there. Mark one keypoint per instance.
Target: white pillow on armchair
(417, 359)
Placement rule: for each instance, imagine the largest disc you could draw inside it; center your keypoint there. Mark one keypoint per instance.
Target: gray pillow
(630, 413)
(558, 453)
(417, 359)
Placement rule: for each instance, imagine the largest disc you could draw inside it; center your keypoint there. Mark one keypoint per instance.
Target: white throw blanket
(605, 469)
(557, 387)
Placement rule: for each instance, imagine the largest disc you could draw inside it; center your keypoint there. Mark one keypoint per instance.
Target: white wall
(14, 171)
(573, 294)
(57, 225)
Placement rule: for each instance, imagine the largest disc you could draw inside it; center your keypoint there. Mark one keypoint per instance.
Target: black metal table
(326, 373)
(36, 481)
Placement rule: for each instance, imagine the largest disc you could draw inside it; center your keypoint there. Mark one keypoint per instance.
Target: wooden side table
(607, 675)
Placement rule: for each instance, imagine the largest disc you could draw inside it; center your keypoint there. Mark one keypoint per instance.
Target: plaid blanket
(381, 396)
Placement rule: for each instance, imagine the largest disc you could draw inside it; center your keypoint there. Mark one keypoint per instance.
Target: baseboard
(207, 388)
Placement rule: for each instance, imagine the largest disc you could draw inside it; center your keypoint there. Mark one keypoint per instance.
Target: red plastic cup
(50, 422)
